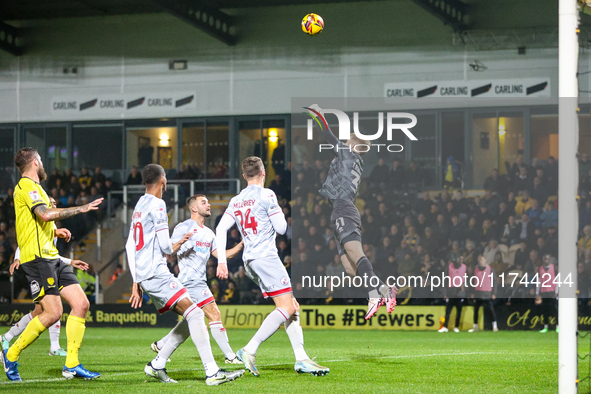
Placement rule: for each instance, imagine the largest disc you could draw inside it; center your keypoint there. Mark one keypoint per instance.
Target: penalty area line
(115, 374)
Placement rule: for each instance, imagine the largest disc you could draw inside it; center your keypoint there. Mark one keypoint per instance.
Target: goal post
(568, 179)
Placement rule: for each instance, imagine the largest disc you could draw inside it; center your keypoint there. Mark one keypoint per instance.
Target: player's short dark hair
(194, 198)
(24, 157)
(152, 174)
(252, 166)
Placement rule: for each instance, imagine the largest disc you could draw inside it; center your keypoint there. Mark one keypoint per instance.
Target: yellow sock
(29, 335)
(75, 332)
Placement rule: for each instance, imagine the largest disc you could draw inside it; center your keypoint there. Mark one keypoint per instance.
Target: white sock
(476, 326)
(196, 321)
(545, 326)
(494, 324)
(161, 342)
(296, 336)
(176, 337)
(54, 336)
(268, 328)
(18, 328)
(218, 332)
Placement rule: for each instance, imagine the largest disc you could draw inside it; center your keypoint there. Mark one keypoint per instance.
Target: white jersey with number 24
(251, 210)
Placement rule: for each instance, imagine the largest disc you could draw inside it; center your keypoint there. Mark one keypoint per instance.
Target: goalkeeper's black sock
(364, 267)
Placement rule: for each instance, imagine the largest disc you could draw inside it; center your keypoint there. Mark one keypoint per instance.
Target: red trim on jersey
(165, 228)
(275, 213)
(172, 300)
(205, 302)
(277, 292)
(214, 250)
(229, 214)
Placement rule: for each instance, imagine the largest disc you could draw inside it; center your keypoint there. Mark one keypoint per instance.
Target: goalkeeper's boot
(373, 304)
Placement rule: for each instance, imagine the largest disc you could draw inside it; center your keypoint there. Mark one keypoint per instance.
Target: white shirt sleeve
(160, 217)
(279, 223)
(275, 213)
(130, 249)
(164, 241)
(66, 260)
(17, 253)
(221, 232)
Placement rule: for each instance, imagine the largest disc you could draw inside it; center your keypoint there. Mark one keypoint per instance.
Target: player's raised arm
(221, 232)
(230, 252)
(325, 130)
(47, 214)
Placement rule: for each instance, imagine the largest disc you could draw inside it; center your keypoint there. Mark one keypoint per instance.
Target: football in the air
(312, 24)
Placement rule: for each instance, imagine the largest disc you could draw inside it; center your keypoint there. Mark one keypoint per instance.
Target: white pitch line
(109, 375)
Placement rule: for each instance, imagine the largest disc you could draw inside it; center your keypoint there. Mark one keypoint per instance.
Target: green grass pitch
(360, 362)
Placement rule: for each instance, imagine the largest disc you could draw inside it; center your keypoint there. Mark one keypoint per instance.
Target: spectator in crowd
(550, 215)
(496, 183)
(584, 165)
(514, 170)
(527, 230)
(539, 192)
(451, 173)
(454, 292)
(134, 178)
(552, 175)
(585, 214)
(510, 234)
(278, 157)
(585, 241)
(84, 178)
(278, 186)
(99, 176)
(522, 181)
(534, 212)
(397, 175)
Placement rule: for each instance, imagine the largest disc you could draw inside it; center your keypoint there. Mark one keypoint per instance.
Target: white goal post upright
(568, 177)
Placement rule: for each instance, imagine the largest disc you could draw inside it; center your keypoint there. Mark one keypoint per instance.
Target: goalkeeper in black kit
(340, 187)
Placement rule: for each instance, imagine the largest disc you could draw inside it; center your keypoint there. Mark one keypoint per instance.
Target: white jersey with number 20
(149, 217)
(251, 210)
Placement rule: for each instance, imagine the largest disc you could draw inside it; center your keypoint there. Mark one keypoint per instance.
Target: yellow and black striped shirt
(34, 236)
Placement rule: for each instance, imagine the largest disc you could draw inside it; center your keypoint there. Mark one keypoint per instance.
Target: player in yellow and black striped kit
(49, 278)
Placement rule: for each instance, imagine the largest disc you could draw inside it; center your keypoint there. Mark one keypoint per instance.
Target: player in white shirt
(192, 259)
(258, 216)
(147, 246)
(54, 331)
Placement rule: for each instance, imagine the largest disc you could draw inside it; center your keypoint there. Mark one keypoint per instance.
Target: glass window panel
(544, 136)
(274, 137)
(218, 155)
(98, 146)
(35, 137)
(7, 170)
(423, 151)
(249, 143)
(193, 151)
(152, 145)
(57, 151)
(511, 139)
(485, 149)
